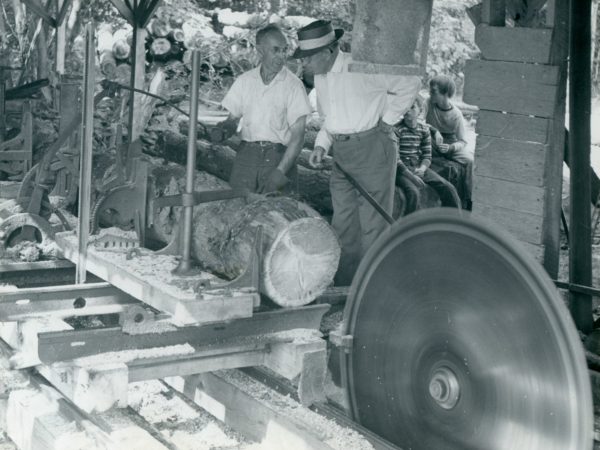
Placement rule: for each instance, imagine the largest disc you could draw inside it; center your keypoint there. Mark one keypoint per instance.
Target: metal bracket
(342, 341)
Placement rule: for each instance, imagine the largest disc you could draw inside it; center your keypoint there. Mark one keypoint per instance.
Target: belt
(361, 134)
(262, 144)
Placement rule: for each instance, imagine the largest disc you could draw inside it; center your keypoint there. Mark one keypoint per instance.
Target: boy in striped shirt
(414, 159)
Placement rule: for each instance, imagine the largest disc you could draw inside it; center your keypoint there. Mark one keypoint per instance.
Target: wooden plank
(512, 87)
(494, 12)
(559, 14)
(522, 162)
(512, 126)
(275, 418)
(509, 195)
(185, 306)
(518, 44)
(525, 227)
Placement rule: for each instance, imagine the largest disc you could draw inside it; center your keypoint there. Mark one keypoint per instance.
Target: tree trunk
(300, 251)
(313, 185)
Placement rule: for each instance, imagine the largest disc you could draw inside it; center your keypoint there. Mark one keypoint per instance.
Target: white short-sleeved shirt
(267, 111)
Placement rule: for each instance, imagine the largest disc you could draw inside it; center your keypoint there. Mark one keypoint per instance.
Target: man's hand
(438, 139)
(416, 180)
(274, 182)
(316, 157)
(420, 171)
(223, 130)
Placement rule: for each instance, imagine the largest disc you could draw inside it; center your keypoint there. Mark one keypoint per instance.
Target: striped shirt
(414, 145)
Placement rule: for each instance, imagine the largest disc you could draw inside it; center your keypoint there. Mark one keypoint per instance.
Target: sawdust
(125, 356)
(298, 335)
(328, 431)
(149, 326)
(156, 403)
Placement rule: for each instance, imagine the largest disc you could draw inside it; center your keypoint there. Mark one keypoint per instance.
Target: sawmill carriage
(453, 335)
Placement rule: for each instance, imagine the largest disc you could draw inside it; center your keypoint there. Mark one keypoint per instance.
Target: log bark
(300, 251)
(313, 185)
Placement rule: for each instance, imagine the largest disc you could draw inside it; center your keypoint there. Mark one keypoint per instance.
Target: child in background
(414, 159)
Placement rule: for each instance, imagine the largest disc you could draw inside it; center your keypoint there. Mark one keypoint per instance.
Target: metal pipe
(188, 197)
(580, 248)
(85, 165)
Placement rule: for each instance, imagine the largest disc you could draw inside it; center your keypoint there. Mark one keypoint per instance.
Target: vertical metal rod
(188, 196)
(85, 164)
(580, 246)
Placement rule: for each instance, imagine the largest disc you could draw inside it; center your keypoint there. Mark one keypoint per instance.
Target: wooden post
(137, 82)
(61, 30)
(391, 36)
(493, 12)
(85, 166)
(2, 108)
(580, 250)
(559, 53)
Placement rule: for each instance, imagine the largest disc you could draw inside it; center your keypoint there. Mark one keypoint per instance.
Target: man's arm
(224, 130)
(295, 145)
(277, 179)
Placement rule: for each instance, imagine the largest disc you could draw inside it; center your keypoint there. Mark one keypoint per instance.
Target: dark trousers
(444, 189)
(254, 162)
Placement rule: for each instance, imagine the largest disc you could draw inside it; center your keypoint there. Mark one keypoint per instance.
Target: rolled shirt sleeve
(402, 91)
(233, 100)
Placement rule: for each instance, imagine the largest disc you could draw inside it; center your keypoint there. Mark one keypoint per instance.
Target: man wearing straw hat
(358, 111)
(272, 104)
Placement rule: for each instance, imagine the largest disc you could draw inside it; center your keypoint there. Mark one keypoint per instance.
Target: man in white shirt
(271, 104)
(358, 111)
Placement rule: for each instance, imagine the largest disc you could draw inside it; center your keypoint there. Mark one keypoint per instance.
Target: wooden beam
(508, 195)
(518, 44)
(125, 11)
(510, 160)
(524, 226)
(60, 42)
(556, 137)
(512, 126)
(580, 243)
(493, 12)
(150, 7)
(275, 418)
(92, 389)
(138, 71)
(62, 11)
(512, 87)
(40, 11)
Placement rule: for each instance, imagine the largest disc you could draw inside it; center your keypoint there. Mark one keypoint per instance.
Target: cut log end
(301, 262)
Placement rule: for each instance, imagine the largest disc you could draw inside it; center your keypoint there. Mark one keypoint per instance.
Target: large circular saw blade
(461, 341)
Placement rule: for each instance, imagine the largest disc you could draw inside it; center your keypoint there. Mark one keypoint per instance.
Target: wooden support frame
(184, 306)
(228, 395)
(95, 386)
